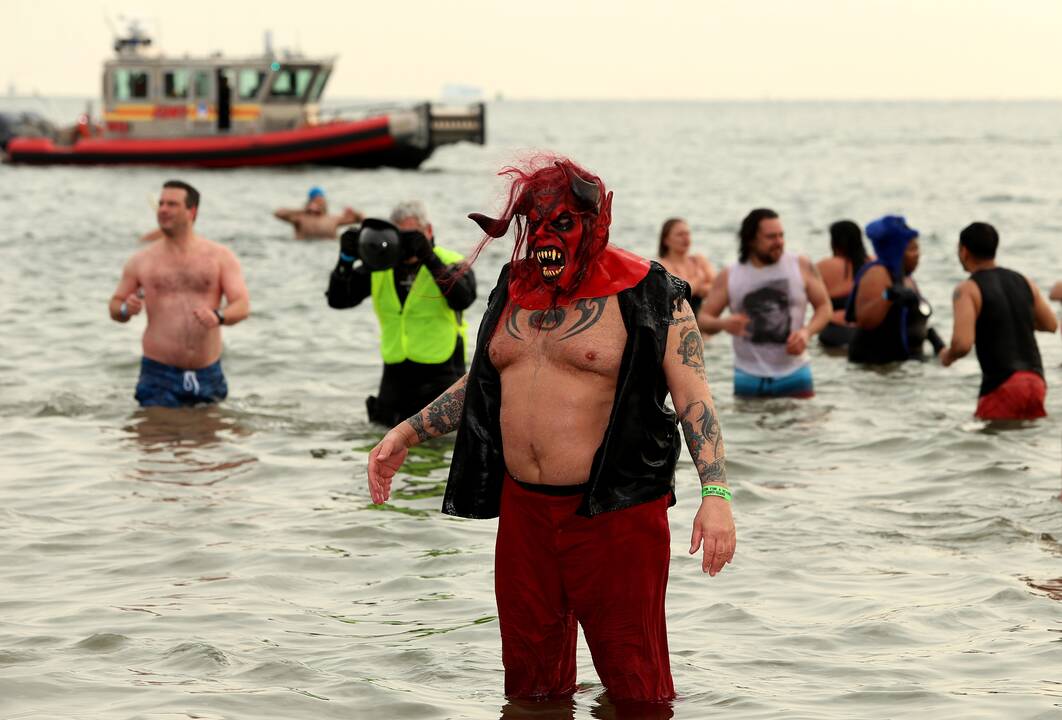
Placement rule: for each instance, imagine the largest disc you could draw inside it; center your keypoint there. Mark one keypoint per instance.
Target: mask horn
(491, 226)
(587, 193)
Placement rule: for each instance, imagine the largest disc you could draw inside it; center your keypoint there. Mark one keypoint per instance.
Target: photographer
(419, 299)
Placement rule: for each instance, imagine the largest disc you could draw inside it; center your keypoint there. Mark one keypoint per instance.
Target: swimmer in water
(999, 310)
(891, 316)
(838, 274)
(180, 280)
(312, 222)
(674, 255)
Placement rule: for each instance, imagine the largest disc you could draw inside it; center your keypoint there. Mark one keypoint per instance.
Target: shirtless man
(180, 280)
(313, 221)
(564, 433)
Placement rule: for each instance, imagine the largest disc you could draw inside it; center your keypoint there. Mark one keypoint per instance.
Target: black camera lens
(379, 245)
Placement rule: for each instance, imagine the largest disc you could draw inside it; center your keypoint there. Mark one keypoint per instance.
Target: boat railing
(441, 123)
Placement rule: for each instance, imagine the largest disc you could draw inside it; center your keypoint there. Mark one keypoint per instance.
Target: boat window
(175, 84)
(202, 84)
(319, 84)
(248, 83)
(291, 82)
(130, 84)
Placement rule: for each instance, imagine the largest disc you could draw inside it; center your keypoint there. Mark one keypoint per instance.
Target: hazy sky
(741, 49)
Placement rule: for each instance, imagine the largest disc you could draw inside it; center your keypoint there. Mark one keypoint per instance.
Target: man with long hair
(767, 291)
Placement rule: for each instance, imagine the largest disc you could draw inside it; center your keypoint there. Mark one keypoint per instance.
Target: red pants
(1021, 397)
(554, 568)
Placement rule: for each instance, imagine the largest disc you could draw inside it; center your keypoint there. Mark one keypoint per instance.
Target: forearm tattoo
(443, 415)
(691, 350)
(418, 426)
(703, 437)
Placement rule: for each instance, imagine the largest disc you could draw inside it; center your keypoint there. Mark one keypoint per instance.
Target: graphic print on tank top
(768, 311)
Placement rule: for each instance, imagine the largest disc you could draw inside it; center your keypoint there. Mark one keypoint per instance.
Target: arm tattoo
(678, 321)
(956, 295)
(590, 311)
(444, 415)
(418, 426)
(691, 350)
(702, 433)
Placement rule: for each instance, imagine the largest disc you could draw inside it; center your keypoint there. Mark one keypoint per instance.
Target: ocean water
(896, 558)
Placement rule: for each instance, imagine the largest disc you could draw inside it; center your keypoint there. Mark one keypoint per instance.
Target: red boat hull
(360, 143)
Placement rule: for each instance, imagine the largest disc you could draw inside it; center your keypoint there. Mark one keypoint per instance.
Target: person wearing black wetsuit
(891, 315)
(416, 370)
(999, 310)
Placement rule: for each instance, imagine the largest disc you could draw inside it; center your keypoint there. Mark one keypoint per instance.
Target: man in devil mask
(565, 435)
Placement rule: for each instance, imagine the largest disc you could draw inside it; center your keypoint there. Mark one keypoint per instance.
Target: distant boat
(236, 112)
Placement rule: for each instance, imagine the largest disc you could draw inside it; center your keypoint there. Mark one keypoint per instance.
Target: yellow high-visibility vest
(424, 329)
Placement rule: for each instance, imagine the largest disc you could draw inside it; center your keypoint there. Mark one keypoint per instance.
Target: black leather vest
(635, 462)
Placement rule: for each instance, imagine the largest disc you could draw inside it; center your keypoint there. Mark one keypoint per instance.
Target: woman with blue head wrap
(892, 318)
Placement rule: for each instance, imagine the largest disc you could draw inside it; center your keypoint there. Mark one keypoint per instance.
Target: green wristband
(716, 491)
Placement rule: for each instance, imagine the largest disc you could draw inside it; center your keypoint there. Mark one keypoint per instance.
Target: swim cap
(315, 191)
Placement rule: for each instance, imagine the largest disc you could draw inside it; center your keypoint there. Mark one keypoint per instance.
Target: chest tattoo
(586, 313)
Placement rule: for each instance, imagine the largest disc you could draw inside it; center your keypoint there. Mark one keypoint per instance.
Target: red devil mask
(561, 252)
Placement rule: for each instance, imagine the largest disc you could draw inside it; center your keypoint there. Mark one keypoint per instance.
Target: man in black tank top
(998, 310)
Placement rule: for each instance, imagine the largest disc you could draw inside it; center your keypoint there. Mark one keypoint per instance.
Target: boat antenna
(110, 24)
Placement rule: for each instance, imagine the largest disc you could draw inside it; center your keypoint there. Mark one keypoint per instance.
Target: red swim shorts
(1021, 397)
(607, 573)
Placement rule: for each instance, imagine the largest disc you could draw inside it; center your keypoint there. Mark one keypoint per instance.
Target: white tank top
(775, 300)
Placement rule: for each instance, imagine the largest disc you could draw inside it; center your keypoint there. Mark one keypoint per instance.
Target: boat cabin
(158, 97)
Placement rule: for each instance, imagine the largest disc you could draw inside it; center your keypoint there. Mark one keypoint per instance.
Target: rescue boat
(219, 112)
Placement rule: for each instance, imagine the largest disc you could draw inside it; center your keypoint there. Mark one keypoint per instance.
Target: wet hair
(669, 225)
(980, 239)
(846, 240)
(749, 227)
(191, 195)
(410, 209)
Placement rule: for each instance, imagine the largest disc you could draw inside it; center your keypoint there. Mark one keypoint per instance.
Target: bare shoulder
(216, 249)
(145, 255)
(829, 263)
(966, 289)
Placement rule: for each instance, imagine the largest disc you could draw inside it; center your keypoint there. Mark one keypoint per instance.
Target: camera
(381, 245)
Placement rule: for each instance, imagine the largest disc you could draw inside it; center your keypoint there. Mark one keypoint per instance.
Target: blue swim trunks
(162, 385)
(795, 384)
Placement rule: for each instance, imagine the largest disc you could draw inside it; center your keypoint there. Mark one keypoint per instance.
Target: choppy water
(895, 557)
